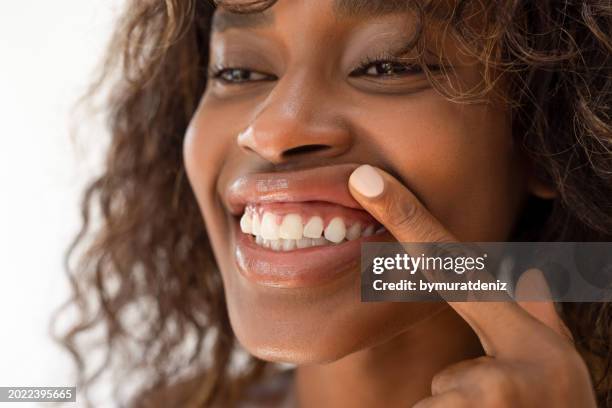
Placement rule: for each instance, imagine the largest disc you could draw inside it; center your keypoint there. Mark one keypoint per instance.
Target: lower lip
(300, 268)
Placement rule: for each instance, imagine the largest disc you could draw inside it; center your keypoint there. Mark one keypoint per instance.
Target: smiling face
(299, 95)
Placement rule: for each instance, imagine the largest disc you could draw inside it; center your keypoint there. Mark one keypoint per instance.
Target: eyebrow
(225, 20)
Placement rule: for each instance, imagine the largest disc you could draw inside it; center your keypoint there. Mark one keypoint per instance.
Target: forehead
(342, 9)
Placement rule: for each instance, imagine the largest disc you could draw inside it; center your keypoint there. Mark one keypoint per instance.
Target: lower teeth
(291, 244)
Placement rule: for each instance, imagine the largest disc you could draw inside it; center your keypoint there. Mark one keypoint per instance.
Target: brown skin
(523, 343)
(459, 160)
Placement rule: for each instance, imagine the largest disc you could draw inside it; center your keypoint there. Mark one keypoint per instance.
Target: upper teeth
(292, 232)
(313, 228)
(269, 227)
(335, 231)
(291, 227)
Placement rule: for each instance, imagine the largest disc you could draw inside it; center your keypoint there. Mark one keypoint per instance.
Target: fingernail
(367, 181)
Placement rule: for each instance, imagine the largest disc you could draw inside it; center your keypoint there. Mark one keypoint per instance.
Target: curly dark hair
(144, 280)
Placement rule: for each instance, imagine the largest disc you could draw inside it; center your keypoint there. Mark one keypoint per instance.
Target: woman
(256, 144)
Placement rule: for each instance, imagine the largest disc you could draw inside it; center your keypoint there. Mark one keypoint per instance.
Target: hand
(529, 361)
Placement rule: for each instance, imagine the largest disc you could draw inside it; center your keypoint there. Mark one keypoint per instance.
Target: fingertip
(367, 181)
(532, 285)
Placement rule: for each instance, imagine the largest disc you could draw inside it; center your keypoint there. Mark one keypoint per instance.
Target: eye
(232, 75)
(390, 68)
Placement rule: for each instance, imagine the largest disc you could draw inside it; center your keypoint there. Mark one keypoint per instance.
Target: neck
(397, 373)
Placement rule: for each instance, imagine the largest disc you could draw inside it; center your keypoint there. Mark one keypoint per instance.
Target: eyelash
(383, 58)
(218, 71)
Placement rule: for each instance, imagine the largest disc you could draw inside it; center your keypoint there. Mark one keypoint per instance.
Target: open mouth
(299, 229)
(291, 226)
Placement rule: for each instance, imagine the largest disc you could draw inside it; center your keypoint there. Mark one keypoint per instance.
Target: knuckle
(568, 369)
(401, 213)
(408, 216)
(440, 382)
(500, 384)
(454, 398)
(459, 399)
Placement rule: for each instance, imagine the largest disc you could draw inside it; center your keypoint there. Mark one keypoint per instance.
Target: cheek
(210, 147)
(203, 148)
(203, 154)
(460, 160)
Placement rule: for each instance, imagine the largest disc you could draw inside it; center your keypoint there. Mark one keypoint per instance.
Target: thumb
(395, 207)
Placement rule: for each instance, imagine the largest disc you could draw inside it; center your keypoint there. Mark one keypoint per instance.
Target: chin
(300, 332)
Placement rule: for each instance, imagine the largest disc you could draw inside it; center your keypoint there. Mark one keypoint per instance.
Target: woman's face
(309, 91)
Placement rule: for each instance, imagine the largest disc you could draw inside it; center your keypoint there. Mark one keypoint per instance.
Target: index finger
(500, 325)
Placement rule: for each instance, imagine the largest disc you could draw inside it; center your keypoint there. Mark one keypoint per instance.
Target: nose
(298, 121)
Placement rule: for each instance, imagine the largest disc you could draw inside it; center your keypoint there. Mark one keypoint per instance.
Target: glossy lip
(329, 183)
(299, 268)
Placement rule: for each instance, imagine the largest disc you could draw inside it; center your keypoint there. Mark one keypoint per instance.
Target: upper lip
(327, 183)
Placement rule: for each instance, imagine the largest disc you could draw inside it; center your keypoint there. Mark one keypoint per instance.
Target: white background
(48, 52)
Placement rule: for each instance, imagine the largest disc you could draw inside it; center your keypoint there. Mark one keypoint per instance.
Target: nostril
(300, 150)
